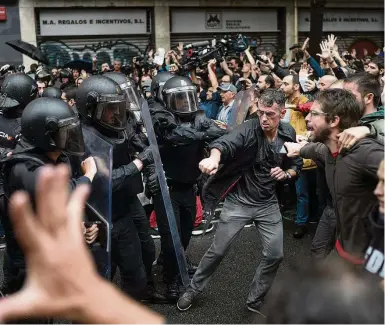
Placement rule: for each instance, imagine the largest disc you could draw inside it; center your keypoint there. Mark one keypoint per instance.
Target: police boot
(152, 296)
(172, 292)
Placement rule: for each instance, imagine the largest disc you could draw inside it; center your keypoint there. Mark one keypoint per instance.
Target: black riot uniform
(47, 125)
(102, 105)
(182, 131)
(135, 144)
(16, 92)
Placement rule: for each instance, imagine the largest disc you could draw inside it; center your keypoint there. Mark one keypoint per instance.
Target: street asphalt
(224, 300)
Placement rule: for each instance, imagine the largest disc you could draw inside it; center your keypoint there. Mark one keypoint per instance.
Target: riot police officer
(135, 144)
(102, 106)
(182, 131)
(16, 92)
(49, 131)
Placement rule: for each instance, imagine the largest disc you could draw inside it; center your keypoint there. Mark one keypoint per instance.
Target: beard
(322, 137)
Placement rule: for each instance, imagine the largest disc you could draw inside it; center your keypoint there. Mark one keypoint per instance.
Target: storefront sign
(3, 14)
(345, 21)
(226, 21)
(92, 22)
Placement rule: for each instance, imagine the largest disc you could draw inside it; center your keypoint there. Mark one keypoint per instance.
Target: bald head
(338, 84)
(326, 81)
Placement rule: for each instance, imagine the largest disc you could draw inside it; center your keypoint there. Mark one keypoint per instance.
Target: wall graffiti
(59, 53)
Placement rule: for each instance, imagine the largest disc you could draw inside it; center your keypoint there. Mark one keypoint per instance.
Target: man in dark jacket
(350, 174)
(252, 165)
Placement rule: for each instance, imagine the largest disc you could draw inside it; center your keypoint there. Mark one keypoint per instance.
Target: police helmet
(50, 124)
(157, 85)
(100, 101)
(128, 87)
(51, 92)
(17, 91)
(180, 96)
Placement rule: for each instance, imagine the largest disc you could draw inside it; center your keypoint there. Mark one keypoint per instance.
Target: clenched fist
(209, 166)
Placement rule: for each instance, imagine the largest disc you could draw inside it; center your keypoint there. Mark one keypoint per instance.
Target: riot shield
(179, 251)
(242, 103)
(98, 206)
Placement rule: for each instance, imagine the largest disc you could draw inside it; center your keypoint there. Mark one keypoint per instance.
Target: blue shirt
(211, 107)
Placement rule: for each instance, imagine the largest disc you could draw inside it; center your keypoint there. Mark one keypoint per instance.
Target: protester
(252, 196)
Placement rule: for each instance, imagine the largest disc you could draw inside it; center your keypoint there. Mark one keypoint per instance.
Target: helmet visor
(69, 138)
(132, 97)
(183, 101)
(112, 115)
(7, 102)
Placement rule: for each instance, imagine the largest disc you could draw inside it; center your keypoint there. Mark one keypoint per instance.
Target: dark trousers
(324, 239)
(306, 187)
(142, 225)
(126, 253)
(183, 198)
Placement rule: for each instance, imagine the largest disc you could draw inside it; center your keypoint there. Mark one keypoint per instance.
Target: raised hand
(331, 41)
(325, 51)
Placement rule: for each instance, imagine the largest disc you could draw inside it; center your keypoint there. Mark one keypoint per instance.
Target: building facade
(71, 29)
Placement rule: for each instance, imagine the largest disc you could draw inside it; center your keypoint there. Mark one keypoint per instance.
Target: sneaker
(249, 224)
(185, 301)
(154, 233)
(255, 307)
(299, 232)
(198, 230)
(2, 242)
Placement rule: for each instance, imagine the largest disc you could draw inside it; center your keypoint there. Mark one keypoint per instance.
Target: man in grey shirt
(251, 166)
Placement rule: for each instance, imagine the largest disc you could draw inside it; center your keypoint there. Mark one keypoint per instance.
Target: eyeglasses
(268, 114)
(316, 113)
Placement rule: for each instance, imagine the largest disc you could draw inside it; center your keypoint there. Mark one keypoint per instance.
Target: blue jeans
(306, 188)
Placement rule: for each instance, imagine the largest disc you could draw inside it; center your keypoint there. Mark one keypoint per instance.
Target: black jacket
(182, 143)
(351, 178)
(20, 173)
(239, 150)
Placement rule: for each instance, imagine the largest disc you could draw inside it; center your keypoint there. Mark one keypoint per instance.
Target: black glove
(167, 123)
(151, 179)
(201, 122)
(146, 157)
(214, 132)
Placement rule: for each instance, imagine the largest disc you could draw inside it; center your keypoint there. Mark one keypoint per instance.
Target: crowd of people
(312, 130)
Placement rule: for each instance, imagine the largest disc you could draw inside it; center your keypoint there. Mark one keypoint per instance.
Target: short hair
(118, 61)
(378, 61)
(341, 103)
(295, 78)
(237, 60)
(335, 293)
(366, 83)
(269, 80)
(271, 96)
(70, 92)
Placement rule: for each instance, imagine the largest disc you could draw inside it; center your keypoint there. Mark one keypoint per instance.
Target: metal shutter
(59, 52)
